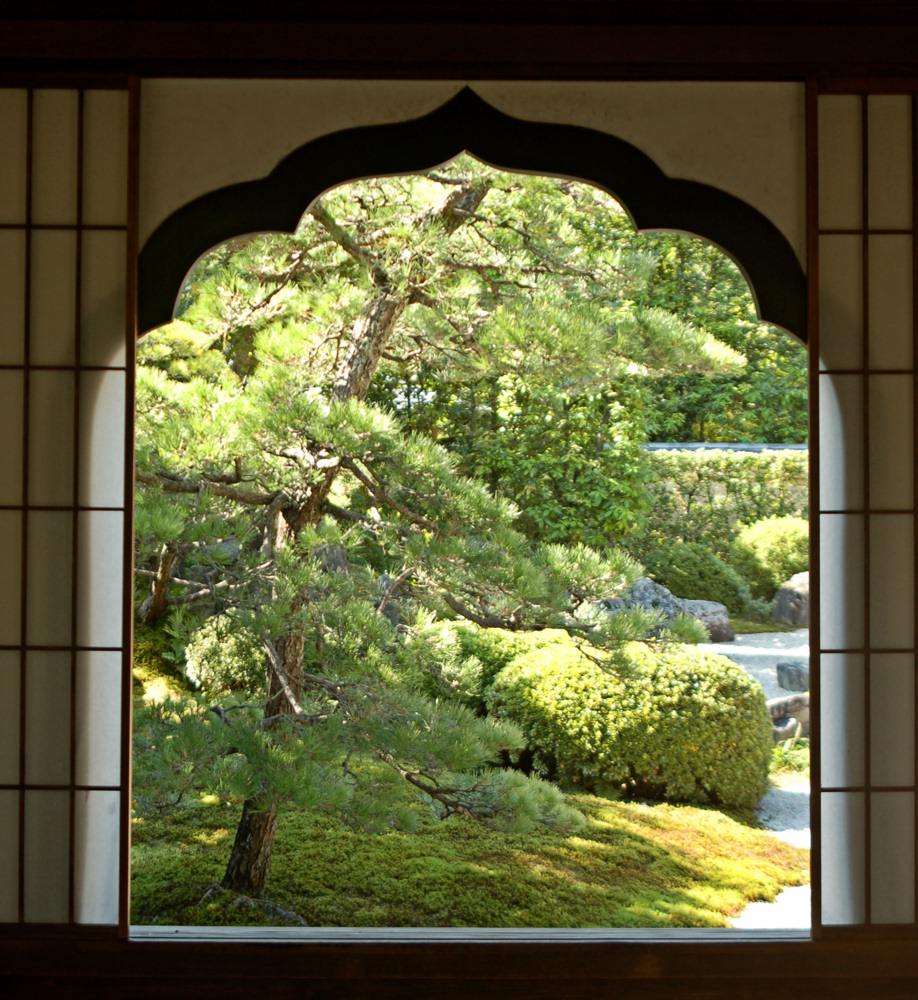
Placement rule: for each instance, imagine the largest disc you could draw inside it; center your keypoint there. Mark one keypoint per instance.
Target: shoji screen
(862, 243)
(65, 415)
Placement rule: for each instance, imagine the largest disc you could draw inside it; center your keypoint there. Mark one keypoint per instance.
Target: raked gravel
(785, 809)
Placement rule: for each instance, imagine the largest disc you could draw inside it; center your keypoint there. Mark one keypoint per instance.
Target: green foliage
(765, 400)
(226, 654)
(421, 406)
(665, 722)
(630, 865)
(153, 655)
(706, 496)
(771, 551)
(481, 654)
(791, 756)
(692, 571)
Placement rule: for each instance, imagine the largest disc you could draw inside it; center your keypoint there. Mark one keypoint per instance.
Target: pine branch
(170, 483)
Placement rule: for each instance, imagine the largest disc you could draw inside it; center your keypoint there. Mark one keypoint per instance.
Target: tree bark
(250, 860)
(155, 604)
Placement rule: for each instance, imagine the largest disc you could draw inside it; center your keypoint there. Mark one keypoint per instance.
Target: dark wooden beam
(466, 49)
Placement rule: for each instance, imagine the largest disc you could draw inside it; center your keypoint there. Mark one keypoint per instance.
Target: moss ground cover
(632, 865)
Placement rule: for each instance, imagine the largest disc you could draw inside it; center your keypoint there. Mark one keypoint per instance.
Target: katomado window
(505, 339)
(60, 638)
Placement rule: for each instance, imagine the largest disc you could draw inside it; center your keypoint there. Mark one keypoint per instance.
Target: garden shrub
(224, 655)
(662, 722)
(771, 551)
(707, 496)
(692, 571)
(481, 654)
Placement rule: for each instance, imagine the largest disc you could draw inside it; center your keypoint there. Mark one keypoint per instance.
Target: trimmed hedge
(694, 572)
(771, 551)
(706, 496)
(665, 722)
(481, 654)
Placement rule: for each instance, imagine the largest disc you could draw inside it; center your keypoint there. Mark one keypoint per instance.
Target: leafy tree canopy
(309, 465)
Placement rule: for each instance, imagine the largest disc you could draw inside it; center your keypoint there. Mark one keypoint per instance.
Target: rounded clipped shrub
(661, 722)
(224, 654)
(692, 571)
(481, 653)
(771, 551)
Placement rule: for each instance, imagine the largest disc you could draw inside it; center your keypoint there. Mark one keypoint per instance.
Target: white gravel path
(785, 809)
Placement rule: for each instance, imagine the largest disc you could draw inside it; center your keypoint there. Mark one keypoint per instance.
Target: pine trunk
(250, 860)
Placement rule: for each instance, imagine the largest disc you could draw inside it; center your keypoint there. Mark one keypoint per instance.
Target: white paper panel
(892, 581)
(102, 433)
(841, 306)
(51, 442)
(54, 157)
(892, 858)
(841, 606)
(9, 856)
(892, 719)
(14, 123)
(10, 577)
(11, 414)
(47, 856)
(96, 838)
(47, 721)
(98, 718)
(53, 318)
(889, 161)
(12, 295)
(102, 320)
(843, 890)
(892, 454)
(840, 185)
(841, 719)
(49, 578)
(841, 442)
(890, 301)
(9, 718)
(101, 572)
(105, 143)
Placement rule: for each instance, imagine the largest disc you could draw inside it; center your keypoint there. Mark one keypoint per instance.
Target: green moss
(753, 626)
(633, 865)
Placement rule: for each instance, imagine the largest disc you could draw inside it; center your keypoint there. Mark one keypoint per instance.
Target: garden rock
(794, 675)
(792, 601)
(646, 593)
(790, 716)
(713, 616)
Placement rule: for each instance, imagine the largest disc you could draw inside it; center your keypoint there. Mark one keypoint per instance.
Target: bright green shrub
(224, 654)
(692, 571)
(707, 496)
(771, 551)
(481, 654)
(662, 722)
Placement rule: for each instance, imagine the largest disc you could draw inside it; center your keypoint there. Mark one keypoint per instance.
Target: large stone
(646, 593)
(713, 616)
(794, 675)
(792, 601)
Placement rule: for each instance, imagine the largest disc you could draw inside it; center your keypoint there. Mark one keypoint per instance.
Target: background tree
(334, 528)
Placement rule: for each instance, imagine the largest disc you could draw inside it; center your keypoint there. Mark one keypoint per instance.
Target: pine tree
(332, 536)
